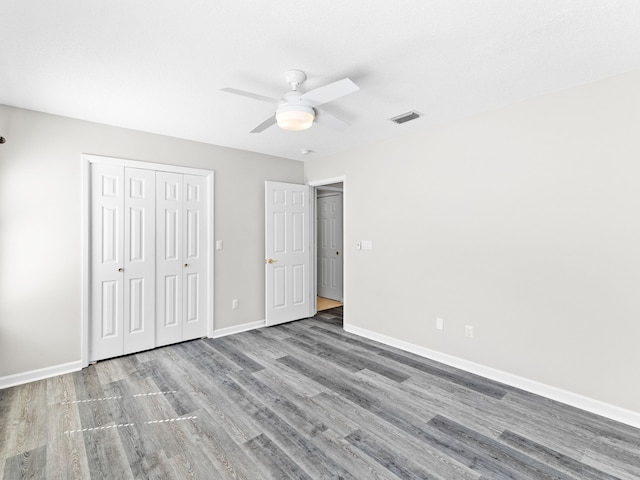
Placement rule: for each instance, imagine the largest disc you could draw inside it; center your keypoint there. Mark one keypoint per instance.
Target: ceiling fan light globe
(295, 117)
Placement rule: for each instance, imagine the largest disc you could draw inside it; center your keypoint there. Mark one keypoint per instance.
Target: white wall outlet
(439, 324)
(235, 304)
(218, 244)
(468, 331)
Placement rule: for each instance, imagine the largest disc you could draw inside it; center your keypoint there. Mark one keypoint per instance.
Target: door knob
(186, 265)
(121, 269)
(337, 253)
(271, 260)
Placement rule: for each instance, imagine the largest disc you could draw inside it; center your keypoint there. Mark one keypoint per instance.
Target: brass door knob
(271, 260)
(186, 265)
(121, 269)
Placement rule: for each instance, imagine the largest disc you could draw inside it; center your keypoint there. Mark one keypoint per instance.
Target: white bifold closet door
(123, 261)
(148, 259)
(181, 267)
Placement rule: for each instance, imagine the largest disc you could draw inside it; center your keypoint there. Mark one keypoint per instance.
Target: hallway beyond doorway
(327, 303)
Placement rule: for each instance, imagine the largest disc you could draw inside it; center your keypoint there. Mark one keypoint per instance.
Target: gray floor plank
(9, 406)
(612, 465)
(105, 454)
(192, 461)
(293, 413)
(221, 448)
(387, 456)
(25, 431)
(225, 346)
(352, 458)
(158, 467)
(254, 342)
(491, 457)
(468, 380)
(66, 455)
(275, 463)
(552, 458)
(29, 464)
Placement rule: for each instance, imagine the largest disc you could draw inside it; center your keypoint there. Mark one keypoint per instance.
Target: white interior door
(169, 266)
(287, 252)
(329, 246)
(107, 262)
(123, 261)
(139, 259)
(181, 266)
(194, 257)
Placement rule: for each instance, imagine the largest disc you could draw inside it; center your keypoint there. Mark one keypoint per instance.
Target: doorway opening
(329, 226)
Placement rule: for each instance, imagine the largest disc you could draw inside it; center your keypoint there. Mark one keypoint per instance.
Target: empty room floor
(304, 400)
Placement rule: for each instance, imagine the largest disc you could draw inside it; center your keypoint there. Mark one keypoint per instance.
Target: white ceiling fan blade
(328, 120)
(255, 96)
(329, 92)
(264, 125)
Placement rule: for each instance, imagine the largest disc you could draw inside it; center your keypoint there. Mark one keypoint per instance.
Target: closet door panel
(107, 262)
(139, 252)
(195, 257)
(169, 267)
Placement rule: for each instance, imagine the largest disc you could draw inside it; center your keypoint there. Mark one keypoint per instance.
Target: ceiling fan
(296, 110)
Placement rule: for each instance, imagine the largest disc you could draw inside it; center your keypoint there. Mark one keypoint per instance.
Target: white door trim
(318, 183)
(86, 161)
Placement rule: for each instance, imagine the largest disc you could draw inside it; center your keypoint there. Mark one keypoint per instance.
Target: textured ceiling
(158, 65)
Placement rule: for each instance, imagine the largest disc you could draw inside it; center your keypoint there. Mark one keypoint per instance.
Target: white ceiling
(158, 65)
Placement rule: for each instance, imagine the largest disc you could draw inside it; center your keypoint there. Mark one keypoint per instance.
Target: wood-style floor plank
(29, 464)
(66, 456)
(304, 400)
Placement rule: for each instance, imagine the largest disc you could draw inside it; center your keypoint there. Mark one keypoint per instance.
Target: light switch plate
(218, 244)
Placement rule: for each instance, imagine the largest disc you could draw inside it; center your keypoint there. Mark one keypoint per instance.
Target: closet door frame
(87, 161)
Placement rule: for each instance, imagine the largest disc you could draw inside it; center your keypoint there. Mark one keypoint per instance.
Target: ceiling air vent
(405, 117)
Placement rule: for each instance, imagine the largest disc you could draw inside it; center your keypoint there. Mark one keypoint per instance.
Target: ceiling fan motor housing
(295, 78)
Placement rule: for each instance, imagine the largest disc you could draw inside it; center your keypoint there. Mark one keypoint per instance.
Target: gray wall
(523, 222)
(40, 227)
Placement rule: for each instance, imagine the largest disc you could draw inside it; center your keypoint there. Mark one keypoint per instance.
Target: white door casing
(287, 252)
(329, 246)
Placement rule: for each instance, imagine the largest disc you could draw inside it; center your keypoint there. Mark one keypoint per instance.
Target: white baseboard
(598, 407)
(40, 374)
(223, 332)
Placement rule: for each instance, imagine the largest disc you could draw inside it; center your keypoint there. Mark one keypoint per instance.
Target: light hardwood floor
(326, 303)
(303, 400)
